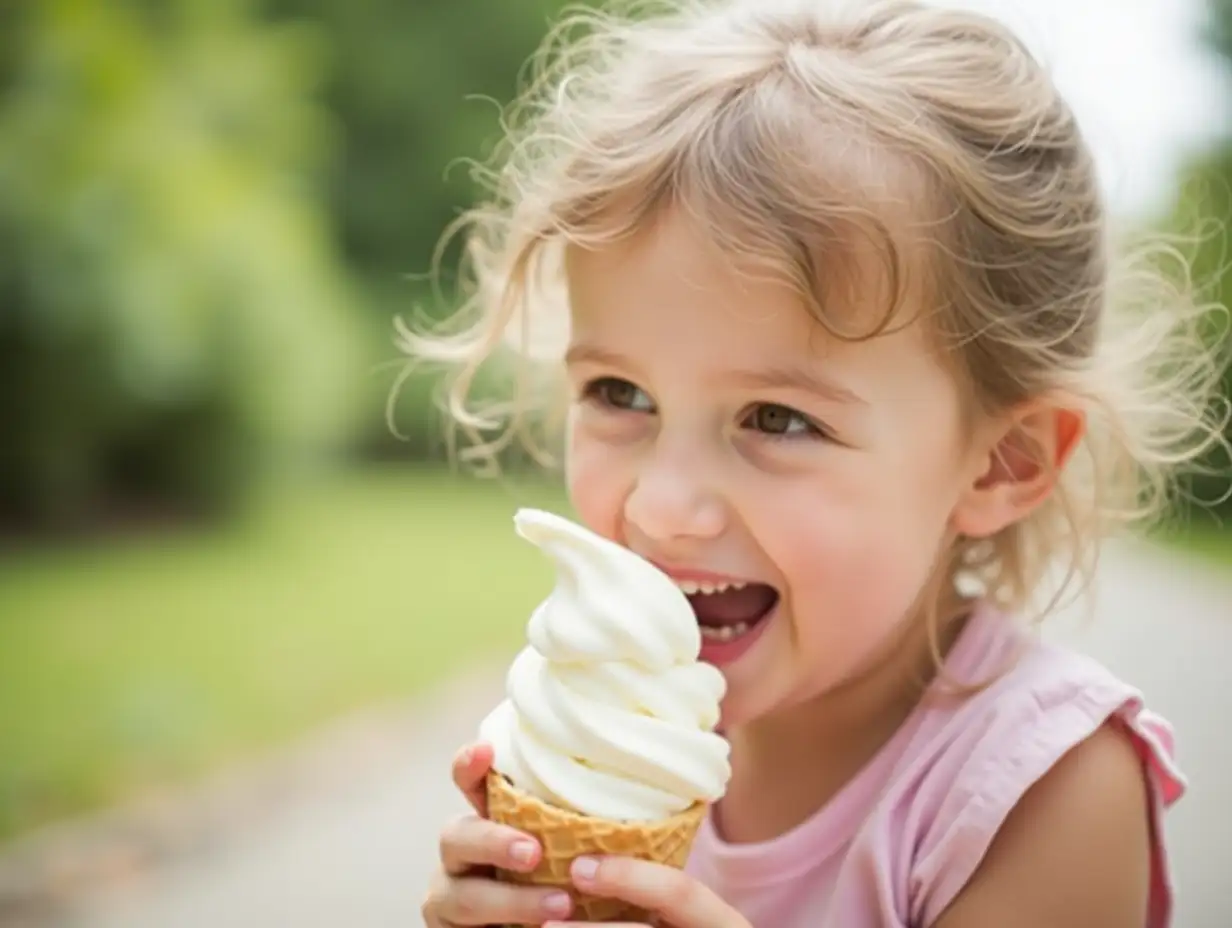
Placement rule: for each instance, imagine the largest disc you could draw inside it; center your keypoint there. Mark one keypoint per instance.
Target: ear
(1019, 468)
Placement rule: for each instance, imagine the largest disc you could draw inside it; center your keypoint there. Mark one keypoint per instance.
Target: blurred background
(230, 594)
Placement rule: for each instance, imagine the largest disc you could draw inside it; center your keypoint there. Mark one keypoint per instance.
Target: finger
(470, 769)
(476, 901)
(471, 841)
(675, 897)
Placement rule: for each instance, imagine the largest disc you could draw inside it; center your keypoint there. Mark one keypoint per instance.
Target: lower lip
(722, 653)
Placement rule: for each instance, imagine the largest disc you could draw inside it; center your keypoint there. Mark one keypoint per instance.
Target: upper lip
(685, 574)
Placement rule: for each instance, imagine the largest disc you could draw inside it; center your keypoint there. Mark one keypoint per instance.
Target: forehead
(671, 290)
(676, 285)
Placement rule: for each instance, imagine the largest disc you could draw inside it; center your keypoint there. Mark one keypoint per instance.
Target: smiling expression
(718, 430)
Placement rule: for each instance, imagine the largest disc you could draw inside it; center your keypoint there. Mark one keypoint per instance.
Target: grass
(1200, 532)
(131, 663)
(1206, 541)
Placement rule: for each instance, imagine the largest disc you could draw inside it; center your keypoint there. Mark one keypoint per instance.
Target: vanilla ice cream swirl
(609, 712)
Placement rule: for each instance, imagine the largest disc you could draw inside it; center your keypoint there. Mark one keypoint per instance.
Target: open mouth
(727, 611)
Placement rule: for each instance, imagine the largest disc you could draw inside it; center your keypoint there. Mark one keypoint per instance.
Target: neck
(812, 749)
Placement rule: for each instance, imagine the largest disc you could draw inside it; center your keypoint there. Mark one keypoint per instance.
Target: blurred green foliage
(1203, 209)
(416, 88)
(173, 317)
(1202, 215)
(210, 210)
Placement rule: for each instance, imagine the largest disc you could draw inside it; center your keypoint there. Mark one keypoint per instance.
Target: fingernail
(558, 904)
(522, 852)
(467, 755)
(585, 868)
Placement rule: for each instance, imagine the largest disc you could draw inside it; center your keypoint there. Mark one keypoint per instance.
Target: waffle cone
(567, 835)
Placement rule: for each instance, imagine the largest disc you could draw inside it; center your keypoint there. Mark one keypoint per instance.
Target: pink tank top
(901, 840)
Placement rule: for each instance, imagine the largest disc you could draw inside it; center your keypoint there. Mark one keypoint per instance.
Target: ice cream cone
(567, 835)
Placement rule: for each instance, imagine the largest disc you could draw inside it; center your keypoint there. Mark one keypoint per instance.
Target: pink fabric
(901, 840)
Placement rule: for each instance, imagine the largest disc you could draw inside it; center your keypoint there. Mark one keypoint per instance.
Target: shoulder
(1074, 850)
(1054, 759)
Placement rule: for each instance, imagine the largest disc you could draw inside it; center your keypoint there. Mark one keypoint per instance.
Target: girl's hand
(676, 898)
(463, 891)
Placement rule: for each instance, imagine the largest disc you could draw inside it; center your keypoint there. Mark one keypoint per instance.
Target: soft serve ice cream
(609, 712)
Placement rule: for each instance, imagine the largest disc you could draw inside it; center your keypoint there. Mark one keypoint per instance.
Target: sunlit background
(222, 573)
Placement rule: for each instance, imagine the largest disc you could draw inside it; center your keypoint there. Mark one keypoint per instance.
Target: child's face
(691, 444)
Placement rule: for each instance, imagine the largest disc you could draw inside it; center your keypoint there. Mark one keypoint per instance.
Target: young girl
(831, 293)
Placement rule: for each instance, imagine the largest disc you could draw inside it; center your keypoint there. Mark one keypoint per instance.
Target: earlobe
(1021, 469)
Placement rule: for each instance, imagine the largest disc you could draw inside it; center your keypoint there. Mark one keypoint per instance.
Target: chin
(736, 711)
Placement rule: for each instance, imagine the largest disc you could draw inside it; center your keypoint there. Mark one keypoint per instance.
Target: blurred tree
(416, 87)
(1205, 207)
(173, 316)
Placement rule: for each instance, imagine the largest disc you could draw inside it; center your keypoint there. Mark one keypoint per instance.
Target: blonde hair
(794, 129)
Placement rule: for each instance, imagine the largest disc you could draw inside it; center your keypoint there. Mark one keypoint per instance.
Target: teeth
(724, 632)
(690, 587)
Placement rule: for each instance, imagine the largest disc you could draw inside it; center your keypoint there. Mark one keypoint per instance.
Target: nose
(673, 500)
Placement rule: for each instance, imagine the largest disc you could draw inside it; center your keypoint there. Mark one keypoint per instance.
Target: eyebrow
(798, 378)
(772, 378)
(590, 354)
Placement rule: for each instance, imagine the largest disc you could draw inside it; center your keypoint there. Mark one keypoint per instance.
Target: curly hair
(794, 127)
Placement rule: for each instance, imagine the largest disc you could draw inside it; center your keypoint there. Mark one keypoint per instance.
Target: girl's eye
(781, 421)
(618, 394)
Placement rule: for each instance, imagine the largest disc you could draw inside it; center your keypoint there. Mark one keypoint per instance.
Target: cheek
(856, 564)
(593, 476)
(855, 568)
